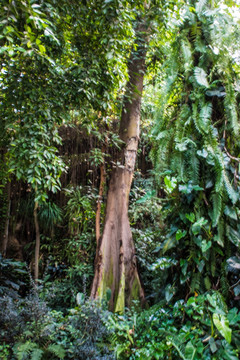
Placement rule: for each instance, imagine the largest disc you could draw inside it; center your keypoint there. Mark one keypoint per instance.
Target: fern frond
(195, 117)
(196, 281)
(162, 135)
(231, 108)
(200, 5)
(175, 342)
(205, 116)
(217, 208)
(219, 179)
(202, 120)
(201, 77)
(178, 165)
(182, 122)
(187, 55)
(57, 350)
(23, 351)
(201, 47)
(37, 354)
(233, 236)
(219, 171)
(233, 195)
(194, 166)
(196, 31)
(219, 238)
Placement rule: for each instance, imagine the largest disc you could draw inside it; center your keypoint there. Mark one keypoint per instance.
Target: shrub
(13, 276)
(202, 328)
(30, 330)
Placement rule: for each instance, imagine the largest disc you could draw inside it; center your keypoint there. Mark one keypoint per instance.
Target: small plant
(61, 293)
(13, 275)
(86, 331)
(202, 328)
(4, 351)
(30, 330)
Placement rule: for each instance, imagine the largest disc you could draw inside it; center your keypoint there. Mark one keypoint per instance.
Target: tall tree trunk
(115, 263)
(6, 227)
(99, 201)
(37, 244)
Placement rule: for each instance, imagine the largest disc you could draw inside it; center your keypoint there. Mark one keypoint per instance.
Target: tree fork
(115, 263)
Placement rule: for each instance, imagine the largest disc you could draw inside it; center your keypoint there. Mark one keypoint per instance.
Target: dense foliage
(63, 74)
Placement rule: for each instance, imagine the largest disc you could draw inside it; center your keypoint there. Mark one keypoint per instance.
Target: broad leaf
(201, 77)
(190, 217)
(196, 227)
(222, 324)
(180, 234)
(206, 245)
(190, 351)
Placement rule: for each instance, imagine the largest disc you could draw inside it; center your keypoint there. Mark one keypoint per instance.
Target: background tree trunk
(6, 227)
(115, 263)
(37, 244)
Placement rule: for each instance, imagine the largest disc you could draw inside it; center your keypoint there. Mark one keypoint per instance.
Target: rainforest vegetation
(119, 179)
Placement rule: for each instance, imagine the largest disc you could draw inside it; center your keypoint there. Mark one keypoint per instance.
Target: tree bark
(37, 244)
(99, 201)
(115, 263)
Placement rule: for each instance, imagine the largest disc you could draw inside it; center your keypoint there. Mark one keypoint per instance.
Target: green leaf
(164, 263)
(190, 351)
(205, 245)
(37, 354)
(233, 316)
(170, 183)
(203, 153)
(180, 234)
(200, 6)
(168, 244)
(233, 235)
(233, 195)
(217, 208)
(205, 117)
(230, 212)
(80, 298)
(190, 217)
(196, 227)
(207, 283)
(222, 324)
(201, 77)
(57, 350)
(213, 345)
(169, 292)
(217, 303)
